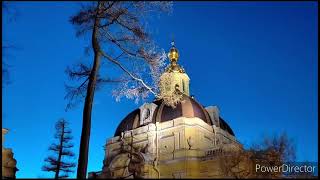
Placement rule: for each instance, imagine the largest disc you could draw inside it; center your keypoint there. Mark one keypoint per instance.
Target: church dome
(188, 107)
(131, 121)
(172, 80)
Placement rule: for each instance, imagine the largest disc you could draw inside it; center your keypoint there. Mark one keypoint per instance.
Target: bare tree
(10, 15)
(234, 164)
(270, 151)
(281, 145)
(273, 151)
(119, 36)
(61, 150)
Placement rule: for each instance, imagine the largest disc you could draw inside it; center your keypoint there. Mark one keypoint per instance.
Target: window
(183, 86)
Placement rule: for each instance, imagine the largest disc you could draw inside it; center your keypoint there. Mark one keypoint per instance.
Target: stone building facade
(160, 141)
(9, 168)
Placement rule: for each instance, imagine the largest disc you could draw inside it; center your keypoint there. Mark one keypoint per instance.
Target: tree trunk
(60, 153)
(86, 123)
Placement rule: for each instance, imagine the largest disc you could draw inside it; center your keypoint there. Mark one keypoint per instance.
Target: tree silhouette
(10, 14)
(270, 151)
(119, 27)
(57, 163)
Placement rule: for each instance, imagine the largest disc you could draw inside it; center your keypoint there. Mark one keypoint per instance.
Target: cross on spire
(172, 41)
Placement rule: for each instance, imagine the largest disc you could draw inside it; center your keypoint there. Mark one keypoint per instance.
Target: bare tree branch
(128, 72)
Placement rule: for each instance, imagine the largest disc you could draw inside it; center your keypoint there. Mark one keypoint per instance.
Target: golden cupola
(173, 53)
(173, 56)
(174, 76)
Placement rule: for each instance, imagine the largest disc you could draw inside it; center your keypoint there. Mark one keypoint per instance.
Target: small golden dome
(173, 53)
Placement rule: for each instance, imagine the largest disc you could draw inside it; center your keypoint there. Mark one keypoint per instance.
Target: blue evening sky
(257, 61)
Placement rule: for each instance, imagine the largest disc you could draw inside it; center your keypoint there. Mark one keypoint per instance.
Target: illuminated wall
(181, 148)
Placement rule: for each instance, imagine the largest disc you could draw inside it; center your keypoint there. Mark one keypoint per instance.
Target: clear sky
(257, 61)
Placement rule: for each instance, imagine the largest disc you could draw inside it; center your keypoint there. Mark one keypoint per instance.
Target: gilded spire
(173, 53)
(173, 57)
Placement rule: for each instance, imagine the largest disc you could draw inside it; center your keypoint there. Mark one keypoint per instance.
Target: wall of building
(172, 149)
(9, 168)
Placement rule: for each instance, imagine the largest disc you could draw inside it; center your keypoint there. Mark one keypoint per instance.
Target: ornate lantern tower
(174, 77)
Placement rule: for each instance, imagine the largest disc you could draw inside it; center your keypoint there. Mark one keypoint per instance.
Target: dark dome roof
(188, 107)
(131, 121)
